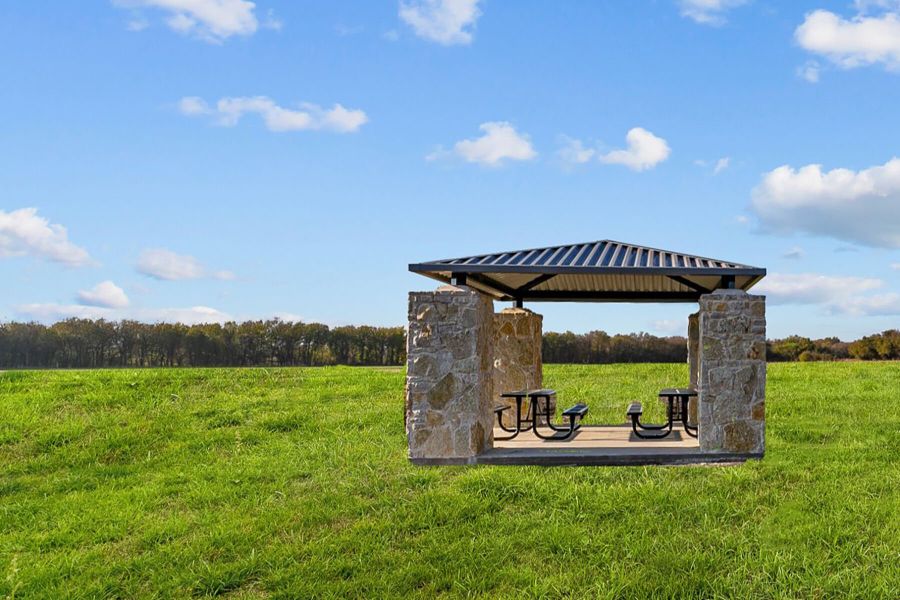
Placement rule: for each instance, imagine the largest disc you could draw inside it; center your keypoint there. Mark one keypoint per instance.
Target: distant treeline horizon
(86, 343)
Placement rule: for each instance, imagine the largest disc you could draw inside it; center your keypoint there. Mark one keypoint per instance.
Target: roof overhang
(602, 271)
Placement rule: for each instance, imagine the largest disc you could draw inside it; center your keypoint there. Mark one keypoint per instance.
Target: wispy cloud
(52, 312)
(163, 264)
(836, 294)
(794, 253)
(810, 71)
(708, 12)
(228, 112)
(669, 327)
(210, 20)
(574, 152)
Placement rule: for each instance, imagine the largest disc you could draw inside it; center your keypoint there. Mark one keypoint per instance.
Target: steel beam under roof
(601, 271)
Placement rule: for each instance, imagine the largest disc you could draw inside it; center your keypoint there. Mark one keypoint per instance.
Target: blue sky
(210, 159)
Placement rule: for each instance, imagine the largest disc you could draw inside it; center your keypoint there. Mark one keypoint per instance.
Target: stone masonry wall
(449, 379)
(693, 352)
(517, 336)
(732, 381)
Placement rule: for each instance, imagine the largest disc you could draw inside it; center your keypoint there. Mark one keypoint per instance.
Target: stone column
(449, 376)
(732, 372)
(693, 352)
(517, 356)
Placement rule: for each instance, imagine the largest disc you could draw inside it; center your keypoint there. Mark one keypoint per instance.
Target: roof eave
(537, 270)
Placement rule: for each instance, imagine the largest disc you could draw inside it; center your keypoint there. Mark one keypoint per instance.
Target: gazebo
(462, 355)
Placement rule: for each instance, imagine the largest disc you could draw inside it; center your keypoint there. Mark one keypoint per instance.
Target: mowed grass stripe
(287, 483)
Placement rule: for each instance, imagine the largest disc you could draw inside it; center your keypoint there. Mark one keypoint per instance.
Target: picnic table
(677, 410)
(530, 421)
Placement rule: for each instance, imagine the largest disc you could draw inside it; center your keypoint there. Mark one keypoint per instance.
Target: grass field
(294, 483)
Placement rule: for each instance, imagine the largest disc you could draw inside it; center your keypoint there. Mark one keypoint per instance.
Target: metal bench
(574, 414)
(634, 412)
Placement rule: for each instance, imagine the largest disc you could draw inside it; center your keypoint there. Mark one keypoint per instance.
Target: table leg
(662, 430)
(518, 428)
(668, 423)
(691, 430)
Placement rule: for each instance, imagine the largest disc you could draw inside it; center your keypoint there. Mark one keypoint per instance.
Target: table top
(515, 394)
(678, 392)
(523, 393)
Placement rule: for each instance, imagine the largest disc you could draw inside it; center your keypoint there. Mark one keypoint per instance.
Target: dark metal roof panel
(603, 254)
(593, 269)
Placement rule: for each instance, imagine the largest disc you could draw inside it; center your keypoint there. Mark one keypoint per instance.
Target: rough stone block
(732, 372)
(449, 380)
(517, 363)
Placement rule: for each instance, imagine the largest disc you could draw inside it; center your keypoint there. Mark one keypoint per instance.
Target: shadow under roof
(602, 271)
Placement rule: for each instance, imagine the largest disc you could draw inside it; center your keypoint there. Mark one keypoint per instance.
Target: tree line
(880, 346)
(598, 347)
(84, 343)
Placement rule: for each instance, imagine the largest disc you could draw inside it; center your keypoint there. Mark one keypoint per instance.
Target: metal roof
(602, 271)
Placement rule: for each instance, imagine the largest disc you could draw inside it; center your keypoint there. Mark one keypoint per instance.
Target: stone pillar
(693, 353)
(517, 356)
(732, 372)
(449, 376)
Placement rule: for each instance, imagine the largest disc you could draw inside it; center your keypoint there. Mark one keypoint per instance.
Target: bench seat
(579, 410)
(635, 409)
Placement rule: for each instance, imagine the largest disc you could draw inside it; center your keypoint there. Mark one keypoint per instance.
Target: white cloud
(855, 206)
(272, 22)
(500, 142)
(879, 305)
(895, 266)
(166, 265)
(708, 12)
(644, 151)
(446, 22)
(810, 71)
(228, 112)
(105, 294)
(812, 288)
(24, 233)
(574, 152)
(210, 20)
(50, 312)
(193, 106)
(794, 253)
(839, 295)
(669, 327)
(188, 316)
(859, 41)
(137, 25)
(717, 166)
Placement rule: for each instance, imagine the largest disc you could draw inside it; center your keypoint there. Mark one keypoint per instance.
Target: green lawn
(294, 483)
